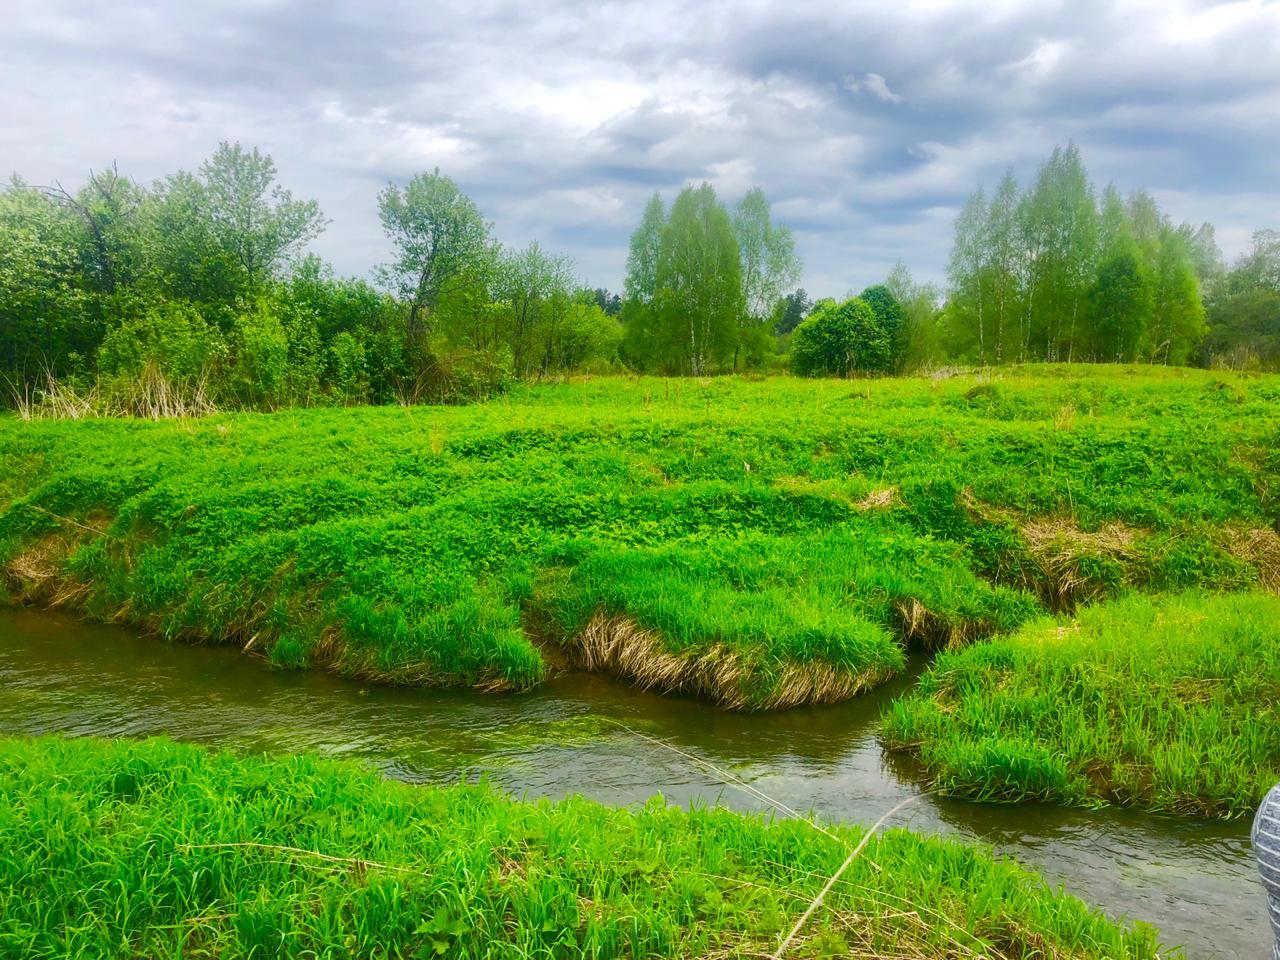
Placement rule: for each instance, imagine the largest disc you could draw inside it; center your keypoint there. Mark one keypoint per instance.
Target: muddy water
(1194, 881)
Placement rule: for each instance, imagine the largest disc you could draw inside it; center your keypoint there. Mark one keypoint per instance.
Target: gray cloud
(865, 124)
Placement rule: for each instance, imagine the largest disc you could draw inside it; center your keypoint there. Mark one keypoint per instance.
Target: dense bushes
(196, 290)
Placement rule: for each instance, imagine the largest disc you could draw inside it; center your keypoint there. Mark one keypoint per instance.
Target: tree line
(198, 291)
(1058, 271)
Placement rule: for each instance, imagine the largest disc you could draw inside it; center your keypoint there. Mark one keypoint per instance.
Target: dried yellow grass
(37, 574)
(1058, 545)
(619, 646)
(1260, 549)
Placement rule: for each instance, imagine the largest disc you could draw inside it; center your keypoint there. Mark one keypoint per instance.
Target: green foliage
(769, 265)
(1120, 306)
(163, 850)
(197, 289)
(790, 310)
(922, 340)
(891, 318)
(698, 303)
(441, 243)
(702, 285)
(172, 337)
(1244, 309)
(841, 340)
(1164, 703)
(1050, 273)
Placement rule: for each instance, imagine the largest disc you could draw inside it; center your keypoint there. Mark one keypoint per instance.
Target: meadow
(157, 849)
(759, 543)
(1167, 703)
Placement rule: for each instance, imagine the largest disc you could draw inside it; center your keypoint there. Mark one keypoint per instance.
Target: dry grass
(37, 574)
(1062, 551)
(1260, 549)
(621, 647)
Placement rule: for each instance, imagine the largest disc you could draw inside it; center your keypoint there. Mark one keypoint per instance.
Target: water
(1195, 881)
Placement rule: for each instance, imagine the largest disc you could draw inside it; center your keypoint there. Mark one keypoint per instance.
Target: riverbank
(1167, 703)
(165, 849)
(758, 544)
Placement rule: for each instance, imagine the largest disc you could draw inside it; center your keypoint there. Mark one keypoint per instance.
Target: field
(1169, 704)
(760, 544)
(164, 850)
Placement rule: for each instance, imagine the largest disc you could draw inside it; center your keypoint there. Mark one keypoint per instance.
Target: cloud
(875, 85)
(865, 124)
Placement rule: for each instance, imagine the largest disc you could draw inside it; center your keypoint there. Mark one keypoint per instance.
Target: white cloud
(561, 119)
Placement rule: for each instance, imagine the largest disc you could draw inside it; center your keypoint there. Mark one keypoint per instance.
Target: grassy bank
(164, 850)
(759, 544)
(1165, 703)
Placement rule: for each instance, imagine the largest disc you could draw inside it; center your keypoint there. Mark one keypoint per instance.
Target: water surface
(1195, 881)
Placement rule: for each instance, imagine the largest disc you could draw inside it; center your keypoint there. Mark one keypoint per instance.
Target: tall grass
(757, 543)
(126, 849)
(1164, 703)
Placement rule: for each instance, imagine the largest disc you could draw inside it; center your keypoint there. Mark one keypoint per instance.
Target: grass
(164, 850)
(755, 543)
(1170, 703)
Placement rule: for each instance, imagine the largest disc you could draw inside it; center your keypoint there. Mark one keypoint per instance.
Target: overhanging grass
(1172, 704)
(805, 528)
(126, 849)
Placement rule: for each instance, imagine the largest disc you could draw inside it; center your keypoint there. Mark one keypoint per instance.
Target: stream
(587, 734)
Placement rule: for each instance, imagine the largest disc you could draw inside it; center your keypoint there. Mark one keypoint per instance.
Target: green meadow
(759, 543)
(164, 850)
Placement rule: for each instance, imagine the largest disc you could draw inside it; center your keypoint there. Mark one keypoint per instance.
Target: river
(592, 736)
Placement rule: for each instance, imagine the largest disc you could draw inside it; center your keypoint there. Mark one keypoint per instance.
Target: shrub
(840, 340)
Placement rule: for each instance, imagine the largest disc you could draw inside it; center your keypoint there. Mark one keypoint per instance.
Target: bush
(172, 338)
(840, 340)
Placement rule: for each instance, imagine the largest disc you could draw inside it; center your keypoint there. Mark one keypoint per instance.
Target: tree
(1178, 316)
(252, 217)
(769, 266)
(639, 318)
(1000, 268)
(698, 299)
(840, 340)
(42, 301)
(920, 308)
(790, 310)
(1244, 309)
(1058, 220)
(769, 260)
(441, 242)
(536, 288)
(890, 317)
(610, 303)
(966, 270)
(1120, 305)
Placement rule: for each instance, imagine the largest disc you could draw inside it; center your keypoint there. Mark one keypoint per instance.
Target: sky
(866, 124)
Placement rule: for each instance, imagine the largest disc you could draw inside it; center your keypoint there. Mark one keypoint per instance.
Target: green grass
(1172, 704)
(130, 849)
(756, 543)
